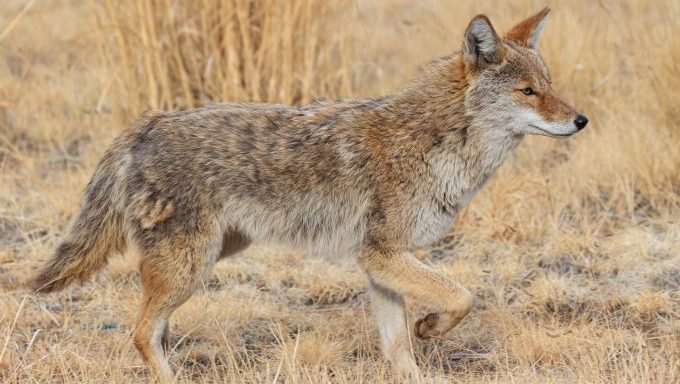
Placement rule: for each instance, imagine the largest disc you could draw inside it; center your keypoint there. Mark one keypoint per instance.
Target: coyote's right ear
(482, 46)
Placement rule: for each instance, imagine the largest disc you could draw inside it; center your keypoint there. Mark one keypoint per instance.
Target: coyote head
(509, 84)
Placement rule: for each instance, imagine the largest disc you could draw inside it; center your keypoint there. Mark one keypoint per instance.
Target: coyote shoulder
(377, 177)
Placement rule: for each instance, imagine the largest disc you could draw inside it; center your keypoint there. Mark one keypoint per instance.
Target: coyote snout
(580, 122)
(377, 178)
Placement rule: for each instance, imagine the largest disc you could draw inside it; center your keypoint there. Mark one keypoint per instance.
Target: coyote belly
(375, 177)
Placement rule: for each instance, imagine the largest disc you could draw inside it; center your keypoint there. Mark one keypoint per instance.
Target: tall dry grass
(572, 250)
(170, 54)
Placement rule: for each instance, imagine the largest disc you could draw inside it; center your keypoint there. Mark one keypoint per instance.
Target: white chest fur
(454, 179)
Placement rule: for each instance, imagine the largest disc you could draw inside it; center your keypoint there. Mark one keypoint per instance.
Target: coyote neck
(450, 152)
(435, 116)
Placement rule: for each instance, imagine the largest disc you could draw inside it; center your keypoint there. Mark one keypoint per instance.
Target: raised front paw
(437, 324)
(427, 326)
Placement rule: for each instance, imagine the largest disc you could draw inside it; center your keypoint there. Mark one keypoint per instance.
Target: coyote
(376, 177)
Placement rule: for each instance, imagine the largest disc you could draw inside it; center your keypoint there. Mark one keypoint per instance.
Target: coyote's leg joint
(404, 274)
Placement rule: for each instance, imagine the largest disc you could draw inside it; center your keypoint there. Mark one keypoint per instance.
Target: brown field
(572, 251)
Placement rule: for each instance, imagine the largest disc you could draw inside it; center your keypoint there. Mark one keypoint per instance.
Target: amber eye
(528, 91)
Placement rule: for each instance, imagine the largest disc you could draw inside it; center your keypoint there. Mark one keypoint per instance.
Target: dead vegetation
(572, 250)
(177, 54)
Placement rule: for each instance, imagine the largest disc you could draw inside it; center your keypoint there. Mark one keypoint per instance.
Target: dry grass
(573, 250)
(168, 54)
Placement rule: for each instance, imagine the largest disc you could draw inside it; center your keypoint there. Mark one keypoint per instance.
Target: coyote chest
(454, 180)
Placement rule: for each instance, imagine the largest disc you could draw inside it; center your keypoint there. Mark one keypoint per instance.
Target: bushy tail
(95, 233)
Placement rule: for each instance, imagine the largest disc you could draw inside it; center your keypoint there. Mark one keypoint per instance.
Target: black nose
(580, 122)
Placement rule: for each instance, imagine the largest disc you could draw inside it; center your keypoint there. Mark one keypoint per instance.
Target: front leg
(389, 314)
(401, 272)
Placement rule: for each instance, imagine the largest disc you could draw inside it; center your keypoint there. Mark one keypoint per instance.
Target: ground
(572, 251)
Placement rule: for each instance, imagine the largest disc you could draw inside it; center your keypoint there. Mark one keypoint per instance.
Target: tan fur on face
(545, 101)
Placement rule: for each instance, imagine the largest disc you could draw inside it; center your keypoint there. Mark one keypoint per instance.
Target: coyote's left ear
(527, 32)
(482, 47)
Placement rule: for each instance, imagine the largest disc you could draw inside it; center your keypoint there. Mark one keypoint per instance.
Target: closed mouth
(550, 133)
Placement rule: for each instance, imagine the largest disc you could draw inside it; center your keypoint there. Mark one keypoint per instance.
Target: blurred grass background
(572, 250)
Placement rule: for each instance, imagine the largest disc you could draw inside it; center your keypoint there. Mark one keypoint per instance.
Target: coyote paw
(426, 327)
(437, 324)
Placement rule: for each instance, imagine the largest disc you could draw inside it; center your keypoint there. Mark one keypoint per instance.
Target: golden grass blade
(8, 29)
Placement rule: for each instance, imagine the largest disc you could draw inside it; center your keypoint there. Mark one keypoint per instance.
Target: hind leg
(170, 272)
(148, 336)
(232, 243)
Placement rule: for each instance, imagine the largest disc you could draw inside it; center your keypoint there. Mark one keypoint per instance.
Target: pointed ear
(482, 46)
(527, 32)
